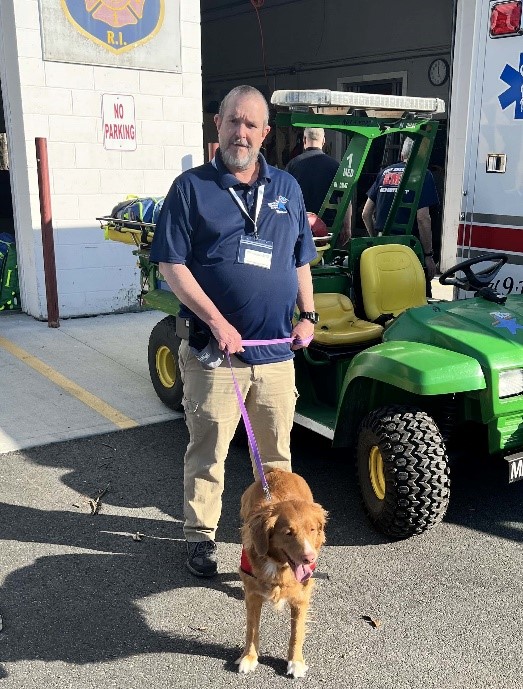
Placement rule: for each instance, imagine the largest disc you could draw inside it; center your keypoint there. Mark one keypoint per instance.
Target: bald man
(314, 170)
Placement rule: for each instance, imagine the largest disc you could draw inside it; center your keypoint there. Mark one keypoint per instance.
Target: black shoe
(202, 560)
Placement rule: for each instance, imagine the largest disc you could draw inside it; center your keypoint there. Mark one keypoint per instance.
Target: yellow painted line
(73, 389)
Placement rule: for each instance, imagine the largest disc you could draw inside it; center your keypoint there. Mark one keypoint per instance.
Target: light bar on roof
(323, 98)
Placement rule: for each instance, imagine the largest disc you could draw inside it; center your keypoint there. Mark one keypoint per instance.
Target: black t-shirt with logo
(384, 188)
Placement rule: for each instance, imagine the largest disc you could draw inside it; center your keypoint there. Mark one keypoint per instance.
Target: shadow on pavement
(95, 605)
(102, 604)
(85, 609)
(482, 498)
(144, 468)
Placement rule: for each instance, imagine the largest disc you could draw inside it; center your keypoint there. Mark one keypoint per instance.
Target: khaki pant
(212, 414)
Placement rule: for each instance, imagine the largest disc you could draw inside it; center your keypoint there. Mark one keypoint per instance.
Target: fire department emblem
(117, 25)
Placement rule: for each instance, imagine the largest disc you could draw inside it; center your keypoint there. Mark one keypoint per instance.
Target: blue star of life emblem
(279, 205)
(514, 94)
(506, 320)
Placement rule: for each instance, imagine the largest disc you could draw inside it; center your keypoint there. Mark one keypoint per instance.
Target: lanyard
(241, 205)
(243, 208)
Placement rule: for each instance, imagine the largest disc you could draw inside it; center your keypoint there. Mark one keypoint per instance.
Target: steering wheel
(474, 281)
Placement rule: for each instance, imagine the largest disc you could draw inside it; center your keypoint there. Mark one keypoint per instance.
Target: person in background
(438, 172)
(380, 198)
(234, 244)
(315, 171)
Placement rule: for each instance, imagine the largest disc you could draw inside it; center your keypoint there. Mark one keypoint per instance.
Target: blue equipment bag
(136, 209)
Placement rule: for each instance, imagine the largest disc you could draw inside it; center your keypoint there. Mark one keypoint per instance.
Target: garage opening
(9, 284)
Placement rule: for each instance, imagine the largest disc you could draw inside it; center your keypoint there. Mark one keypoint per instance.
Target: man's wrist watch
(429, 254)
(311, 316)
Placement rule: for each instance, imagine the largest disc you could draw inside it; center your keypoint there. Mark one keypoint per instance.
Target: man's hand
(344, 237)
(430, 267)
(227, 336)
(301, 331)
(182, 282)
(346, 230)
(367, 215)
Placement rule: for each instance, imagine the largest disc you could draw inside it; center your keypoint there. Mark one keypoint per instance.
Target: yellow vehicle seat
(392, 280)
(338, 324)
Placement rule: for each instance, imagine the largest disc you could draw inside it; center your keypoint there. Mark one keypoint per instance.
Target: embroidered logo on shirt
(279, 204)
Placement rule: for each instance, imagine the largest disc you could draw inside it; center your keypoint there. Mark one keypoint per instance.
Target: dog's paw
(247, 663)
(297, 668)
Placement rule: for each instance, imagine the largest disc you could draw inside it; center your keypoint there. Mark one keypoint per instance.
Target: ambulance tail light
(505, 18)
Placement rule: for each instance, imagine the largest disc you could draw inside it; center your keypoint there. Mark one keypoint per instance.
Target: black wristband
(311, 316)
(430, 253)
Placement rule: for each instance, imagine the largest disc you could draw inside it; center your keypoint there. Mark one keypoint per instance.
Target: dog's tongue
(303, 572)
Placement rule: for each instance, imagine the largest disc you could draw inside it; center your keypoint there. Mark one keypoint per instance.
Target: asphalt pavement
(104, 600)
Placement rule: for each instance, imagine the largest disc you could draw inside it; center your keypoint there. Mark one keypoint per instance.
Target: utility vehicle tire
(163, 363)
(402, 470)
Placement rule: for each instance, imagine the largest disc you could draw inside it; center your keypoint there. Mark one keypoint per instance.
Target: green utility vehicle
(389, 374)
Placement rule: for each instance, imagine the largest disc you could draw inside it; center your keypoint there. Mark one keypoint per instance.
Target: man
(380, 198)
(234, 244)
(315, 171)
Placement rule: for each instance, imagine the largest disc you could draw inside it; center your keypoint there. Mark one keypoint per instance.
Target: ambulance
(483, 209)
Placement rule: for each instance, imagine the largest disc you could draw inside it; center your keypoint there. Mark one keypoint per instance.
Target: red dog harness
(245, 563)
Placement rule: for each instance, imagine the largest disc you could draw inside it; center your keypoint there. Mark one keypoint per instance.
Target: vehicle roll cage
(382, 116)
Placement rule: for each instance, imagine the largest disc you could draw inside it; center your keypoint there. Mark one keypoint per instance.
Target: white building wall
(62, 103)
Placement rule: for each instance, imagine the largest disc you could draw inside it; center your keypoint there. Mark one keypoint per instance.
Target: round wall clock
(438, 71)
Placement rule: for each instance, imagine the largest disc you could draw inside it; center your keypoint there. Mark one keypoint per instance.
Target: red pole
(46, 216)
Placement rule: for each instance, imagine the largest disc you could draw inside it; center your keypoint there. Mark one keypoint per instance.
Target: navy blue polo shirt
(383, 191)
(200, 226)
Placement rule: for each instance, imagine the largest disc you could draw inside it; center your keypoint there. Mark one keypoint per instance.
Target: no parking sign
(118, 122)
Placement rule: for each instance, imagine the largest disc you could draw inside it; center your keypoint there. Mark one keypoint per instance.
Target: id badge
(255, 252)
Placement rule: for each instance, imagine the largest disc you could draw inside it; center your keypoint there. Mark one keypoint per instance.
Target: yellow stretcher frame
(127, 231)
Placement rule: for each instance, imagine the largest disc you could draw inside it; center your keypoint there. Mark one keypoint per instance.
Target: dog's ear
(321, 514)
(260, 528)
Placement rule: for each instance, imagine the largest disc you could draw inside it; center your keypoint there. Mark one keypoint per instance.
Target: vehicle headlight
(510, 383)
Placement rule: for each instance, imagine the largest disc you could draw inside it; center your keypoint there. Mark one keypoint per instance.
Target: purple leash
(245, 416)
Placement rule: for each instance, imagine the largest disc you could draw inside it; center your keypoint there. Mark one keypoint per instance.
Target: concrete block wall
(63, 103)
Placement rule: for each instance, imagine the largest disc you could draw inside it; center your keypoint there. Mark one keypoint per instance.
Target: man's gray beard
(234, 162)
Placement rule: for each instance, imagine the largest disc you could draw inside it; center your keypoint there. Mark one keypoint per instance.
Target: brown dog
(281, 540)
